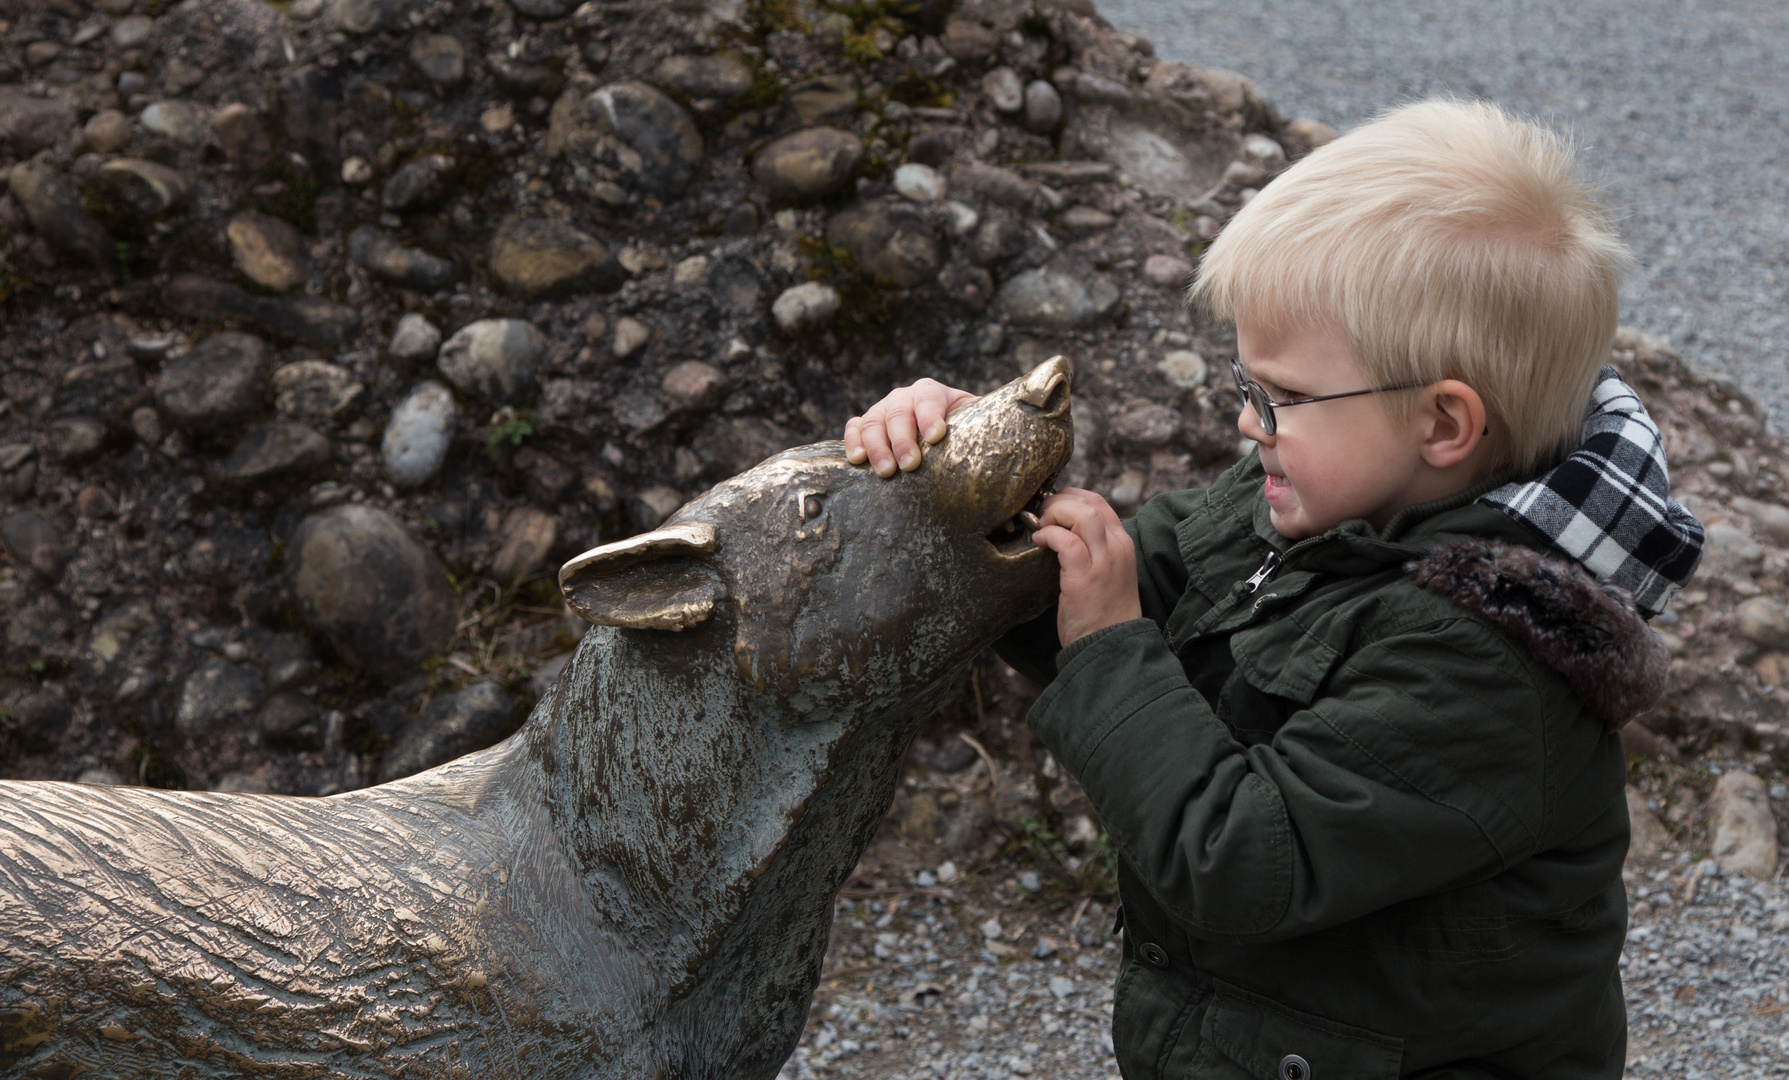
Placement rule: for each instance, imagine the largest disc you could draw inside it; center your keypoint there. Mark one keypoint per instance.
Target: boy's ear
(1454, 420)
(659, 580)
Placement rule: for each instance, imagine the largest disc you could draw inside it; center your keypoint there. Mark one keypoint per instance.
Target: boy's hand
(890, 431)
(1099, 563)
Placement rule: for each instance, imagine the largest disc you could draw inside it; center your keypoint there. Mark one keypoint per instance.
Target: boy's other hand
(889, 433)
(1099, 563)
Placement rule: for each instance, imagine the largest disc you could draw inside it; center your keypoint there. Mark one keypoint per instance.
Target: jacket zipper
(1272, 564)
(1268, 568)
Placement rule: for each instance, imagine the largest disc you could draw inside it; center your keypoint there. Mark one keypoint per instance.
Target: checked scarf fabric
(1609, 505)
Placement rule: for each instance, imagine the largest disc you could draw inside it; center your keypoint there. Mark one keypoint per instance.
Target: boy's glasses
(1256, 398)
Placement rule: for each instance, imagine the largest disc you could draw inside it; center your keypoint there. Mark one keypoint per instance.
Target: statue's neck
(668, 790)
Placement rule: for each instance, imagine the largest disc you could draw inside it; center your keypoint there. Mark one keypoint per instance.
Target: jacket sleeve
(1030, 648)
(1421, 766)
(1161, 571)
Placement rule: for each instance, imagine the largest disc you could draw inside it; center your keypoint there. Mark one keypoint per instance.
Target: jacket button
(1293, 1067)
(1153, 954)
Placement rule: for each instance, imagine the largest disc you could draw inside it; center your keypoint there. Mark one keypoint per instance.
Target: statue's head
(834, 585)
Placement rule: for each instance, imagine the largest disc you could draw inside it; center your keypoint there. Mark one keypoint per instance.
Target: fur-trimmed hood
(1588, 632)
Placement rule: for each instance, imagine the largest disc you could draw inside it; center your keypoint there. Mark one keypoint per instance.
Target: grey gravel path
(915, 992)
(1682, 105)
(1707, 982)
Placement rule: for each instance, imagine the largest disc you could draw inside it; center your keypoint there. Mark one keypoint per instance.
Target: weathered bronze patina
(638, 884)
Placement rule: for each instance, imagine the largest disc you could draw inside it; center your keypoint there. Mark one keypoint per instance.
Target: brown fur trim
(1588, 632)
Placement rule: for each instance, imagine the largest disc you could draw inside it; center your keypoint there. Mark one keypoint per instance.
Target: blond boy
(1348, 713)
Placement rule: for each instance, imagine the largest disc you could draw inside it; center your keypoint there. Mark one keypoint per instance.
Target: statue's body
(638, 884)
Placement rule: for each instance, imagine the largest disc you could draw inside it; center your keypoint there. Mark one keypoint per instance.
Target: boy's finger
(1071, 508)
(875, 444)
(928, 413)
(903, 437)
(1071, 554)
(854, 451)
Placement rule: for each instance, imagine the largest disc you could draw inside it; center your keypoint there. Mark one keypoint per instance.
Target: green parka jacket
(1367, 802)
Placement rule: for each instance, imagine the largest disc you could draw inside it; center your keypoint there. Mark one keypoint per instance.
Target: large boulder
(29, 124)
(277, 449)
(890, 239)
(217, 693)
(808, 164)
(401, 265)
(1742, 829)
(539, 257)
(1057, 296)
(493, 358)
(1173, 136)
(222, 381)
(54, 207)
(363, 582)
(268, 251)
(647, 137)
(418, 435)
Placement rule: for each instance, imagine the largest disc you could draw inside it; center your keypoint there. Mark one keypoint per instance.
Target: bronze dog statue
(638, 884)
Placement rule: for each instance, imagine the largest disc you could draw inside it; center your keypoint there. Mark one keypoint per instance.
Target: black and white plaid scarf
(1609, 505)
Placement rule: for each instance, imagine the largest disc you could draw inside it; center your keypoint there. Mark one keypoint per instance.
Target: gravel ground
(915, 987)
(1680, 106)
(1708, 981)
(941, 972)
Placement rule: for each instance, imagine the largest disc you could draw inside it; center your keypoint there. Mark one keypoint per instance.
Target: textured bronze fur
(1589, 633)
(638, 884)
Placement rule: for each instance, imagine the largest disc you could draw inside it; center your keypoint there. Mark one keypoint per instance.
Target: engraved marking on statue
(639, 883)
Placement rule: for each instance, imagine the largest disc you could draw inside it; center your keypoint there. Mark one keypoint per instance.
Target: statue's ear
(654, 581)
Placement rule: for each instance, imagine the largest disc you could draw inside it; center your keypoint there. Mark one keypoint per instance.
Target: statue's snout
(1046, 387)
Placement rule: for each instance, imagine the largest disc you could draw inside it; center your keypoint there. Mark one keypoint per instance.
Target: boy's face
(1327, 461)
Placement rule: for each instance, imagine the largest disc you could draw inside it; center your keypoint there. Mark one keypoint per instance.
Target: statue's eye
(812, 506)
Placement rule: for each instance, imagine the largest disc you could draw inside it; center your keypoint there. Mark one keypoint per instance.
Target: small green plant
(861, 49)
(767, 91)
(1108, 854)
(1044, 844)
(864, 303)
(769, 16)
(874, 166)
(509, 424)
(1095, 874)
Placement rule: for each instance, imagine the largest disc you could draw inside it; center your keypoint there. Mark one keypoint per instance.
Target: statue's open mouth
(1013, 536)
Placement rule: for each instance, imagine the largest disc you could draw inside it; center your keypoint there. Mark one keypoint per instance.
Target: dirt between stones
(473, 287)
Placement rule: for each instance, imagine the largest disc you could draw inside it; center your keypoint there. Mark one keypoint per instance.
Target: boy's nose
(1250, 426)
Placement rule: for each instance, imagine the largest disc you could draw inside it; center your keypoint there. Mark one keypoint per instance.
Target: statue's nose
(1047, 386)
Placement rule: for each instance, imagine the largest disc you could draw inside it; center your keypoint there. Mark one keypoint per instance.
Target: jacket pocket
(1249, 1037)
(1150, 1009)
(1291, 655)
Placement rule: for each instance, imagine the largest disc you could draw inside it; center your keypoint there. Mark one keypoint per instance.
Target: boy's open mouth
(1013, 536)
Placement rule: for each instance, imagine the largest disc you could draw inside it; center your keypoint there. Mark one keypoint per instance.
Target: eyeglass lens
(1262, 406)
(1256, 398)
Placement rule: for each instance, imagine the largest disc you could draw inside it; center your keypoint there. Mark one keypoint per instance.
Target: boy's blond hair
(1447, 239)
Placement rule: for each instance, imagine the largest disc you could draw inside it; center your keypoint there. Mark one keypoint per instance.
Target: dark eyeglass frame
(1254, 397)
